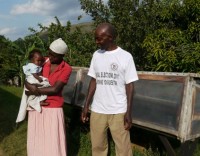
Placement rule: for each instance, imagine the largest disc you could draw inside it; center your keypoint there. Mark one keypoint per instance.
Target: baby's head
(36, 57)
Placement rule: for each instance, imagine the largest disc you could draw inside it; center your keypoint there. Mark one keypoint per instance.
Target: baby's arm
(37, 76)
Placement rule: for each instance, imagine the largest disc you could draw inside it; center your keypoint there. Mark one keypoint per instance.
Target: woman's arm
(51, 90)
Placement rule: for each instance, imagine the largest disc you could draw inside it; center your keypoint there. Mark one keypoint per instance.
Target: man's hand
(84, 115)
(127, 121)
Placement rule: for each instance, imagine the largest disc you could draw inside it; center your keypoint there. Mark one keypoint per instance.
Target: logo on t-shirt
(114, 66)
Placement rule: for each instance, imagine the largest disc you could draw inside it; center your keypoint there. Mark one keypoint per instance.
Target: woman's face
(55, 58)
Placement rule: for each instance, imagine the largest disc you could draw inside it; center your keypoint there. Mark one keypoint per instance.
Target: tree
(150, 30)
(5, 60)
(175, 47)
(133, 22)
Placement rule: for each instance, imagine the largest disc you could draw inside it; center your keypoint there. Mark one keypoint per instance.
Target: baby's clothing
(33, 101)
(31, 68)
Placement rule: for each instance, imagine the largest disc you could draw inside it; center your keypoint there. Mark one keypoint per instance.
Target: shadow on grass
(150, 141)
(12, 140)
(9, 106)
(73, 128)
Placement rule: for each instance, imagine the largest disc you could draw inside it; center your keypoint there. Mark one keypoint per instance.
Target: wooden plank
(162, 78)
(167, 145)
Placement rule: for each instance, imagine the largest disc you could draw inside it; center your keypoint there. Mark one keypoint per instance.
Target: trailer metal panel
(165, 102)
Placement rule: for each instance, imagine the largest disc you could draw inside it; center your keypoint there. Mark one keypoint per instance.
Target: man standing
(112, 71)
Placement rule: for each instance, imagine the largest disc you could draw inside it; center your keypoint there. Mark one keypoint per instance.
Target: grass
(13, 140)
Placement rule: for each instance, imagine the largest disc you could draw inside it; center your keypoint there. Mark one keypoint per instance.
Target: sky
(16, 16)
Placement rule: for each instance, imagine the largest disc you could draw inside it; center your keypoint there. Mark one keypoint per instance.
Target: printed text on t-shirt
(106, 78)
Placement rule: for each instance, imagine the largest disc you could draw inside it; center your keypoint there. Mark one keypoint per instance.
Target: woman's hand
(32, 89)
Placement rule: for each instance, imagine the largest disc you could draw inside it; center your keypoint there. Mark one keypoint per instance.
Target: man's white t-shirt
(112, 70)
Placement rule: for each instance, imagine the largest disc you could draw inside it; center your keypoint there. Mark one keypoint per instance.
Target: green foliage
(163, 56)
(81, 46)
(96, 9)
(156, 24)
(175, 47)
(133, 22)
(161, 35)
(6, 58)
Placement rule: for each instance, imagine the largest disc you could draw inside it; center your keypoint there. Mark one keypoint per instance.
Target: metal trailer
(167, 103)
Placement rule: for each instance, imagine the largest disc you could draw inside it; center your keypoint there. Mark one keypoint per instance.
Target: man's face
(102, 39)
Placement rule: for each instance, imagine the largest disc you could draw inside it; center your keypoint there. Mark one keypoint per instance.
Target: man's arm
(128, 114)
(90, 94)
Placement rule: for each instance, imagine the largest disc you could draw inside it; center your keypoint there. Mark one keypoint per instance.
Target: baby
(34, 67)
(33, 75)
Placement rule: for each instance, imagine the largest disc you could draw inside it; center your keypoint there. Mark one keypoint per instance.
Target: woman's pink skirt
(46, 133)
